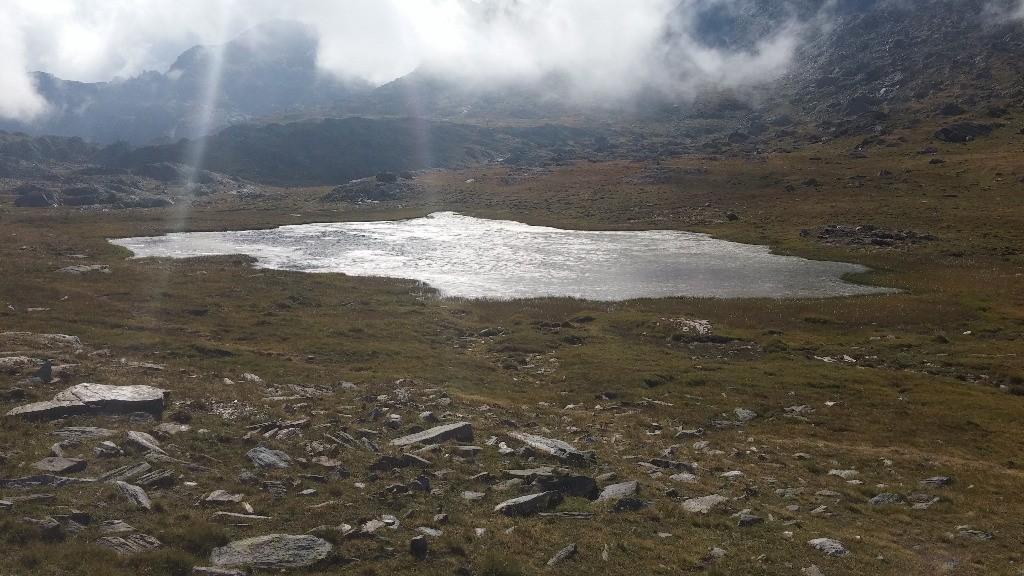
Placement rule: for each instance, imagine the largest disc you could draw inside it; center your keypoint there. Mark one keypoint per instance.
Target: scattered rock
(620, 490)
(79, 433)
(168, 429)
(223, 497)
(156, 479)
(48, 527)
(273, 552)
(829, 546)
(418, 547)
(85, 269)
(42, 480)
(143, 442)
(107, 449)
(213, 571)
(743, 415)
(556, 448)
(747, 519)
(886, 499)
(128, 545)
(59, 465)
(563, 554)
(970, 533)
(264, 457)
(572, 485)
(134, 493)
(235, 517)
(937, 481)
(703, 504)
(530, 504)
(117, 399)
(461, 431)
(965, 131)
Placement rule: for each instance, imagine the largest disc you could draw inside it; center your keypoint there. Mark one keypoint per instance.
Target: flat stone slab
(42, 480)
(529, 504)
(83, 433)
(49, 410)
(272, 552)
(125, 472)
(128, 545)
(703, 504)
(223, 497)
(532, 474)
(89, 398)
(556, 448)
(117, 399)
(230, 517)
(461, 431)
(58, 465)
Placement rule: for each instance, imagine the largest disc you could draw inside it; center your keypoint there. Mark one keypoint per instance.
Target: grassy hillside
(900, 387)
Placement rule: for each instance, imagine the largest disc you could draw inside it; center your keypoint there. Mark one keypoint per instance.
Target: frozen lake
(468, 257)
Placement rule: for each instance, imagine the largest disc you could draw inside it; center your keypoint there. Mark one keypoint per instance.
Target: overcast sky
(605, 46)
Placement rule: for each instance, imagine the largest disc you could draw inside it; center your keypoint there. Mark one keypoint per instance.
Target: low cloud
(607, 50)
(18, 95)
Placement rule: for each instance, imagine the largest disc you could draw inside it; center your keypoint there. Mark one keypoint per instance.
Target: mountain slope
(267, 69)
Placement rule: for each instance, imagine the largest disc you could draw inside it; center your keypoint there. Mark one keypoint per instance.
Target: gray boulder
(272, 552)
(95, 398)
(264, 457)
(530, 504)
(620, 490)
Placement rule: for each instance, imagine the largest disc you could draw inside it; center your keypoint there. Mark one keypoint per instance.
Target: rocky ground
(320, 475)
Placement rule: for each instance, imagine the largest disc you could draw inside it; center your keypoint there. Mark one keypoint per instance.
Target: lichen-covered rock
(272, 552)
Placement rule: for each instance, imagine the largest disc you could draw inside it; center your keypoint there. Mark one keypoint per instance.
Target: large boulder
(95, 398)
(273, 552)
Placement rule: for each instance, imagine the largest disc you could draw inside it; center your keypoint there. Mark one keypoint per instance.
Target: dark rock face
(37, 200)
(965, 131)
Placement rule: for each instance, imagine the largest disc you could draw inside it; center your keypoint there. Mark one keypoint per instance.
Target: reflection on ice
(469, 257)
